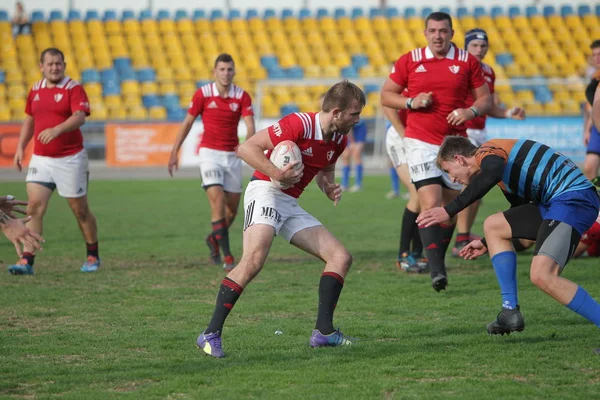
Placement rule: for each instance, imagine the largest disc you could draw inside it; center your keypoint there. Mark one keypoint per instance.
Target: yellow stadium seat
(130, 87)
(274, 24)
(167, 88)
(98, 113)
(327, 24)
(164, 74)
(131, 100)
(112, 27)
(149, 88)
(309, 25)
(166, 26)
(112, 101)
(220, 25)
(14, 76)
(344, 24)
(534, 109)
(5, 114)
(149, 26)
(257, 25)
(590, 21)
(93, 89)
(158, 113)
(552, 108)
(238, 25)
(292, 25)
(117, 114)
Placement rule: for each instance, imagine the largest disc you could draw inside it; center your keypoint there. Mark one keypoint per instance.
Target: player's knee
(36, 207)
(495, 225)
(543, 272)
(341, 258)
(82, 213)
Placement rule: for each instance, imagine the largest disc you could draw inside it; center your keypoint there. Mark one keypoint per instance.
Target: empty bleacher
(144, 65)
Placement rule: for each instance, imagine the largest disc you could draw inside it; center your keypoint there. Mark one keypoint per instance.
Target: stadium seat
(163, 14)
(339, 12)
(127, 15)
(514, 11)
(145, 15)
(356, 12)
(322, 12)
(74, 15)
(462, 12)
(269, 13)
(198, 14)
(425, 11)
(566, 10)
(584, 9)
(37, 16)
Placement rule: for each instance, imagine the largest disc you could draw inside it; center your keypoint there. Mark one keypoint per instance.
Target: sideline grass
(129, 330)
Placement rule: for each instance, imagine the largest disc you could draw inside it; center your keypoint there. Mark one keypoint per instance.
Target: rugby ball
(284, 153)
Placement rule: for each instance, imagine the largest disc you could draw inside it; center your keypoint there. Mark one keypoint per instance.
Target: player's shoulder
(302, 121)
(72, 84)
(415, 55)
(37, 85)
(464, 56)
(239, 92)
(487, 69)
(204, 90)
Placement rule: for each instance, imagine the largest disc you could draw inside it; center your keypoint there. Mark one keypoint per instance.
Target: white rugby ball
(284, 153)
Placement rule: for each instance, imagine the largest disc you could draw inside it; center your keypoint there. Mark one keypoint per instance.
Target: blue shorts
(359, 132)
(578, 209)
(594, 143)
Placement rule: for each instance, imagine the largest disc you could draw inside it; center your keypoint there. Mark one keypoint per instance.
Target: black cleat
(213, 245)
(507, 321)
(439, 282)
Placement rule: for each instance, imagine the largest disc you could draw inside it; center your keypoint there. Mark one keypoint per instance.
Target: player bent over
(269, 211)
(551, 202)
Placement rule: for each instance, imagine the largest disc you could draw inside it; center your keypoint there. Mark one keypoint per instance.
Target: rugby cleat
(210, 343)
(21, 268)
(507, 321)
(439, 282)
(409, 264)
(334, 339)
(229, 263)
(213, 246)
(91, 264)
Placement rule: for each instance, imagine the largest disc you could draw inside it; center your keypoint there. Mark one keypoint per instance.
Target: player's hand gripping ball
(284, 153)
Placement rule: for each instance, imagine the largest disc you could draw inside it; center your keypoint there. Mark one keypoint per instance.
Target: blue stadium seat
(234, 13)
(163, 14)
(110, 15)
(497, 11)
(294, 73)
(288, 109)
(145, 14)
(251, 13)
(56, 15)
(109, 74)
(269, 13)
(3, 15)
(151, 100)
(425, 11)
(375, 12)
(202, 82)
(2, 77)
(462, 12)
(181, 14)
(122, 63)
(287, 13)
(549, 10)
(410, 12)
(176, 115)
(357, 12)
(349, 72)
(127, 15)
(74, 15)
(445, 10)
(359, 60)
(566, 9)
(127, 74)
(111, 88)
(199, 14)
(479, 12)
(216, 13)
(370, 88)
(514, 11)
(584, 9)
(322, 12)
(146, 75)
(171, 101)
(90, 75)
(37, 15)
(339, 13)
(392, 12)
(276, 73)
(304, 13)
(530, 11)
(269, 62)
(504, 59)
(598, 10)
(542, 94)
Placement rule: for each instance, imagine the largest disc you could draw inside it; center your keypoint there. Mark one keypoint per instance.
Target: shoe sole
(504, 331)
(205, 353)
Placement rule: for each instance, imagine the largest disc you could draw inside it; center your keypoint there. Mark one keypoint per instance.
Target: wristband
(475, 111)
(409, 103)
(483, 241)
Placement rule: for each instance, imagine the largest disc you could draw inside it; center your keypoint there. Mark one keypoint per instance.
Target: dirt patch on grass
(126, 387)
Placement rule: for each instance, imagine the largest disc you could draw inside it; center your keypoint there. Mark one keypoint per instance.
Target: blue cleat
(91, 264)
(334, 339)
(210, 343)
(411, 264)
(21, 268)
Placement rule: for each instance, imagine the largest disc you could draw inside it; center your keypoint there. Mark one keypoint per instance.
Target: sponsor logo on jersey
(37, 97)
(277, 129)
(270, 213)
(212, 104)
(420, 68)
(308, 152)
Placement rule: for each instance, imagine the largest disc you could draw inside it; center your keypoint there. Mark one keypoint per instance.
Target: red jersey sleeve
(197, 104)
(288, 128)
(476, 77)
(247, 105)
(79, 100)
(28, 109)
(399, 72)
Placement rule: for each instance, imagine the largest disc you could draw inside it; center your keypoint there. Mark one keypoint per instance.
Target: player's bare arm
(24, 139)
(501, 112)
(587, 124)
(326, 182)
(74, 122)
(391, 97)
(250, 126)
(596, 108)
(392, 116)
(252, 151)
(481, 106)
(184, 130)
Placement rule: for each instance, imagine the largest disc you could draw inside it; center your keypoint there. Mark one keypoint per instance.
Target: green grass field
(129, 330)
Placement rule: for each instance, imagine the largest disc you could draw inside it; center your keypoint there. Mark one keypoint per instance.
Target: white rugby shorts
(394, 145)
(265, 204)
(477, 136)
(69, 175)
(421, 158)
(222, 168)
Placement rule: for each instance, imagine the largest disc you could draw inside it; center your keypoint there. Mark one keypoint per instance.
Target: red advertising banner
(134, 145)
(9, 139)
